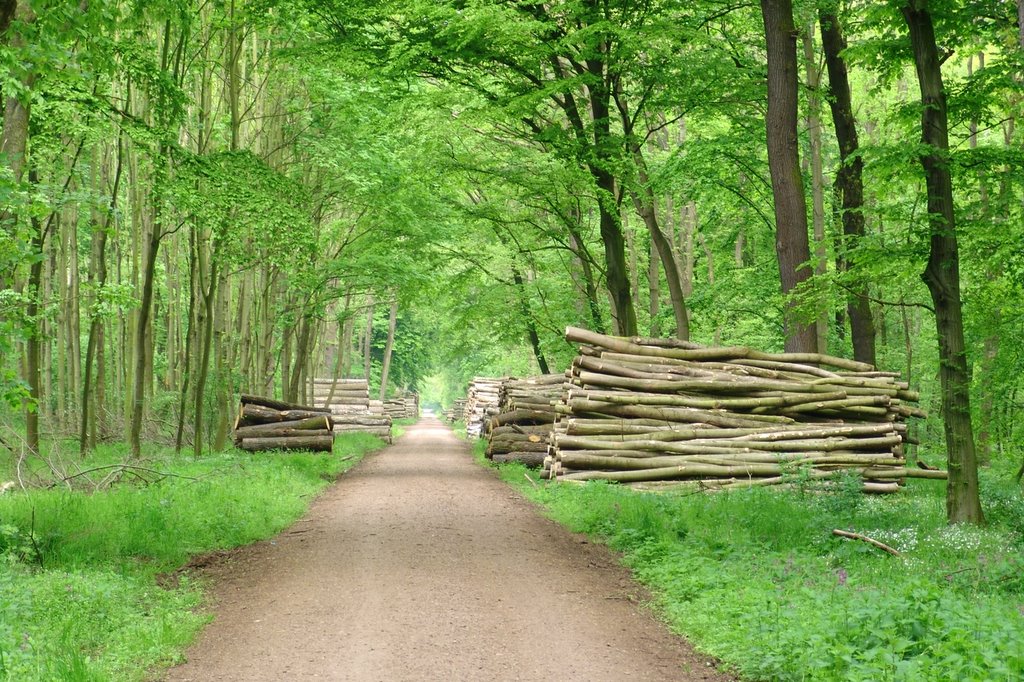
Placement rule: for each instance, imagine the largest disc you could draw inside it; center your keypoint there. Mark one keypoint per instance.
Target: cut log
(278, 405)
(310, 443)
(320, 422)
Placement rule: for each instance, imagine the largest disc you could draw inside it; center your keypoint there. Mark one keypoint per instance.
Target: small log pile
(268, 424)
(653, 410)
(349, 403)
(405, 406)
(342, 395)
(521, 430)
(481, 403)
(458, 411)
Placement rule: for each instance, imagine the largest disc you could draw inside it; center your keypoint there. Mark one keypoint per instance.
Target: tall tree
(942, 274)
(849, 181)
(791, 242)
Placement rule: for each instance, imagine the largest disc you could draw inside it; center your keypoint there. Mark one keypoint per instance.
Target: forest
(204, 198)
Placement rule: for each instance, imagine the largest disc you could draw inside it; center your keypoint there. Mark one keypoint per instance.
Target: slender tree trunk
(578, 246)
(942, 274)
(191, 337)
(202, 369)
(528, 319)
(368, 339)
(791, 243)
(95, 342)
(646, 203)
(817, 173)
(654, 290)
(388, 347)
(849, 183)
(34, 338)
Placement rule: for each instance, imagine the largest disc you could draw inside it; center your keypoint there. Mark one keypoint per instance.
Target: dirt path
(421, 565)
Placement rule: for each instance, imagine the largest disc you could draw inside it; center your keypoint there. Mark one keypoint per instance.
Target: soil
(419, 564)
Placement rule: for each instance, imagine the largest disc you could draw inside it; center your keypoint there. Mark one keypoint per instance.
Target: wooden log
(712, 386)
(880, 443)
(530, 459)
(283, 433)
(764, 466)
(676, 414)
(795, 402)
(258, 414)
(577, 335)
(317, 423)
(523, 417)
(278, 405)
(311, 443)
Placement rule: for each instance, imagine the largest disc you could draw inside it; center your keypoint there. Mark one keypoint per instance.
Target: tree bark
(94, 344)
(849, 182)
(528, 319)
(368, 339)
(817, 173)
(791, 243)
(942, 274)
(388, 347)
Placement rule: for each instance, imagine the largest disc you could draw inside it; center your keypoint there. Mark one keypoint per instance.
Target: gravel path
(420, 564)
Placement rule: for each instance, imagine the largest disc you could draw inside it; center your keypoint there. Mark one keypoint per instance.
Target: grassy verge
(80, 593)
(756, 579)
(399, 426)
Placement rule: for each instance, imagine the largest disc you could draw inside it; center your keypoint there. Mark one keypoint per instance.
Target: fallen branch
(864, 538)
(131, 468)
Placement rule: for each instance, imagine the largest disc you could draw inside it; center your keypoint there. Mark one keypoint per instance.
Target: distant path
(421, 565)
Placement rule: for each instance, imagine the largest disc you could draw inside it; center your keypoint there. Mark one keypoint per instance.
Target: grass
(80, 588)
(756, 579)
(398, 426)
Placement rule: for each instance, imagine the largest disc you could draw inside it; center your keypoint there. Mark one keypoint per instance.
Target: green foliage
(82, 595)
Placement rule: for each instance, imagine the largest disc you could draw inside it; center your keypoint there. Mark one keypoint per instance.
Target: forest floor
(419, 564)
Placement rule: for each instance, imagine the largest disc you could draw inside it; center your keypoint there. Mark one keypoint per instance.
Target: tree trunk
(368, 338)
(616, 272)
(190, 336)
(817, 174)
(849, 183)
(791, 243)
(95, 342)
(203, 367)
(654, 290)
(34, 338)
(388, 347)
(528, 319)
(942, 274)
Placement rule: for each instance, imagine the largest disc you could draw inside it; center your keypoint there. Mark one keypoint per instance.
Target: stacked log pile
(521, 430)
(643, 410)
(349, 403)
(342, 395)
(457, 411)
(481, 403)
(268, 424)
(405, 406)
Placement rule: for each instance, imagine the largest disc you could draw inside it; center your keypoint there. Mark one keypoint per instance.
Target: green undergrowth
(89, 581)
(756, 579)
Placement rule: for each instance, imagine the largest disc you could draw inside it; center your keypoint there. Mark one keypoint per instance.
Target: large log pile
(643, 410)
(481, 403)
(521, 430)
(349, 403)
(268, 424)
